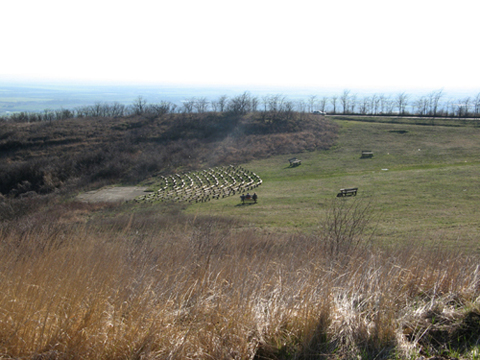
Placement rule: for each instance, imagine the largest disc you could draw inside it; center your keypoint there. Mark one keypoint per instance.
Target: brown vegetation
(159, 284)
(85, 152)
(98, 281)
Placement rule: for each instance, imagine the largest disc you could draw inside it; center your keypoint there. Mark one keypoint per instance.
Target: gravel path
(112, 194)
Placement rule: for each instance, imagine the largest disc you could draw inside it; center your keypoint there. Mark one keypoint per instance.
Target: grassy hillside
(292, 277)
(89, 152)
(422, 183)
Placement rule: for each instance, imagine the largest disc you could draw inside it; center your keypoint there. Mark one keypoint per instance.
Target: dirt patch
(112, 194)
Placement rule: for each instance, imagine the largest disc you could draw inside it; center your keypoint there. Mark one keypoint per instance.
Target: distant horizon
(24, 95)
(53, 82)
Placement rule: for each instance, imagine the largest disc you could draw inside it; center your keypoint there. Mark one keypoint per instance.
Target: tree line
(434, 104)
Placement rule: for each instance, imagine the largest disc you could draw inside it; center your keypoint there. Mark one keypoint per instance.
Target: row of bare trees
(240, 104)
(113, 110)
(433, 104)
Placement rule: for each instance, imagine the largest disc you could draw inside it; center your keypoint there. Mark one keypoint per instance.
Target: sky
(361, 43)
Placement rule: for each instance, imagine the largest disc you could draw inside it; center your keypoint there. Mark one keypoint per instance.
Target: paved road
(404, 117)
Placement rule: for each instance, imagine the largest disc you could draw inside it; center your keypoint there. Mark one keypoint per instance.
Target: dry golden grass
(167, 286)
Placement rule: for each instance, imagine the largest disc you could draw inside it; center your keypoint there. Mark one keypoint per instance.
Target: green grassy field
(422, 184)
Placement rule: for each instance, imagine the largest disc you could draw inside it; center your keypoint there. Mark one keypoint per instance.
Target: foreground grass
(301, 275)
(422, 182)
(168, 286)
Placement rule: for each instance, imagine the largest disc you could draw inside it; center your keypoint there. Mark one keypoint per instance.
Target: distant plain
(16, 96)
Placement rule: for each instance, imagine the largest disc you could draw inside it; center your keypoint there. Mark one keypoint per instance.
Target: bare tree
(353, 103)
(466, 106)
(414, 106)
(344, 99)
(401, 102)
(288, 108)
(312, 99)
(162, 108)
(460, 108)
(188, 105)
(382, 102)
(240, 104)
(48, 115)
(476, 104)
(81, 111)
(117, 109)
(139, 105)
(434, 99)
(275, 103)
(389, 106)
(61, 114)
(375, 103)
(365, 105)
(254, 103)
(347, 226)
(422, 105)
(301, 106)
(222, 103)
(214, 105)
(265, 102)
(96, 108)
(201, 105)
(323, 103)
(450, 107)
(333, 101)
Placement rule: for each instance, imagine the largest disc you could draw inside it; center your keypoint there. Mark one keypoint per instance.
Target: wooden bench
(249, 199)
(294, 162)
(347, 192)
(367, 154)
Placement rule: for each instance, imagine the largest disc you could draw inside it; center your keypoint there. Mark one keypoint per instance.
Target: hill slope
(89, 152)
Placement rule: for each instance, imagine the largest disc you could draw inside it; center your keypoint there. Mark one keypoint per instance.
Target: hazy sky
(360, 43)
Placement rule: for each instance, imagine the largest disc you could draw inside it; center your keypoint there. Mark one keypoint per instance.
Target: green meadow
(421, 184)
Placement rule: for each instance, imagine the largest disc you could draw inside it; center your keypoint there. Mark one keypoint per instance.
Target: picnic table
(294, 161)
(367, 154)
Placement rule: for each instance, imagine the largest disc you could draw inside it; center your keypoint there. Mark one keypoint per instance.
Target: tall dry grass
(154, 285)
